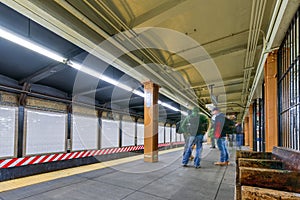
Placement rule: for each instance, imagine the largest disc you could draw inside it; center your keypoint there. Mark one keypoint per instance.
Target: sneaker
(220, 163)
(184, 165)
(197, 167)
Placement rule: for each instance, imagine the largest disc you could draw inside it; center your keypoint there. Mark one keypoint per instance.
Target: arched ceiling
(200, 52)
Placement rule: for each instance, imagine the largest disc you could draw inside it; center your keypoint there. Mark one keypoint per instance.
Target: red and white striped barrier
(30, 160)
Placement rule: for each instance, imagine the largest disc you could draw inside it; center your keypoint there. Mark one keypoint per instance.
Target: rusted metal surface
(289, 157)
(260, 163)
(284, 180)
(253, 154)
(250, 193)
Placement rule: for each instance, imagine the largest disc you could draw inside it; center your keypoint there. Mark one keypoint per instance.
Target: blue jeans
(213, 142)
(224, 154)
(239, 140)
(186, 141)
(193, 140)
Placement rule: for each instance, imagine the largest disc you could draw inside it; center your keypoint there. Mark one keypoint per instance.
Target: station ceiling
(199, 52)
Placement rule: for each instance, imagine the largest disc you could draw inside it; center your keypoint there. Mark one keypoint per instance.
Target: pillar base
(151, 157)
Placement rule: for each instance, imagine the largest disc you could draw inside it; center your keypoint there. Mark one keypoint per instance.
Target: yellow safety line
(170, 150)
(31, 180)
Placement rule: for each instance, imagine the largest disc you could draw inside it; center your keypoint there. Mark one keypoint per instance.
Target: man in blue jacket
(220, 131)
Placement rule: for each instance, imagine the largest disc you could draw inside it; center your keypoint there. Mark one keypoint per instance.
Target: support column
(20, 148)
(135, 130)
(151, 122)
(271, 109)
(251, 131)
(246, 131)
(121, 131)
(100, 113)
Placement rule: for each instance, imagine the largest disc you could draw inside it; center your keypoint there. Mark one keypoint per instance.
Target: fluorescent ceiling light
(168, 106)
(74, 65)
(107, 79)
(184, 113)
(22, 41)
(98, 75)
(139, 93)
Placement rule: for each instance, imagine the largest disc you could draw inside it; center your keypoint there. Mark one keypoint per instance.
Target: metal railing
(258, 125)
(289, 86)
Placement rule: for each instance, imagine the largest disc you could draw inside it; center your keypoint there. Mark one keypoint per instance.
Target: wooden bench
(278, 171)
(250, 193)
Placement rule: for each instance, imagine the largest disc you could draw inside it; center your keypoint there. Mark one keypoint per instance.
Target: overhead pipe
(271, 33)
(81, 17)
(257, 13)
(258, 16)
(247, 51)
(134, 34)
(258, 30)
(250, 33)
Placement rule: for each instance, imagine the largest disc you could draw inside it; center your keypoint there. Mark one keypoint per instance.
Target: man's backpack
(228, 126)
(203, 124)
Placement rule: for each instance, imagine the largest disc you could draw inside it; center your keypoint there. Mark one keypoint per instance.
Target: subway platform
(131, 179)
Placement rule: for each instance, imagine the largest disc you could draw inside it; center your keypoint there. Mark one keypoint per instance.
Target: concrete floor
(138, 180)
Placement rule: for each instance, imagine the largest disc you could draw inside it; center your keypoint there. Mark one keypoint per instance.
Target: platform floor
(133, 179)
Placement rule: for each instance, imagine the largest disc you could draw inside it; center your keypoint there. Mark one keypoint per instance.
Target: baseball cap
(215, 108)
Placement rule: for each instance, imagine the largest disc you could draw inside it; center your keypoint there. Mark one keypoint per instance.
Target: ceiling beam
(124, 100)
(159, 14)
(219, 83)
(237, 49)
(50, 69)
(87, 92)
(183, 64)
(158, 10)
(47, 71)
(222, 94)
(88, 35)
(200, 90)
(231, 101)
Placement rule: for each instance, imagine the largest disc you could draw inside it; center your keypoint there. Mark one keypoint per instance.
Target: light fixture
(22, 41)
(98, 75)
(139, 93)
(74, 65)
(25, 42)
(184, 113)
(168, 106)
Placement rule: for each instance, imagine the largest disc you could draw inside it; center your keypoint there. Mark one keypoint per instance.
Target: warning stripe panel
(58, 157)
(33, 160)
(4, 162)
(91, 153)
(65, 156)
(48, 159)
(22, 161)
(30, 160)
(10, 162)
(78, 155)
(54, 156)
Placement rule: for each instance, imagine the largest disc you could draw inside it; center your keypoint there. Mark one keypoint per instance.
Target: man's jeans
(193, 140)
(213, 142)
(239, 140)
(186, 141)
(224, 154)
